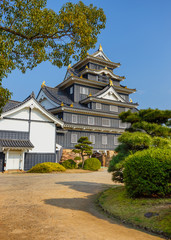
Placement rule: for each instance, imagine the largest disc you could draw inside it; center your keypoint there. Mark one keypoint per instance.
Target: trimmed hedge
(47, 167)
(77, 158)
(147, 173)
(69, 164)
(92, 164)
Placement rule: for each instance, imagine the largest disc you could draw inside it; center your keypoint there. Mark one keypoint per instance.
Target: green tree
(148, 130)
(83, 147)
(30, 33)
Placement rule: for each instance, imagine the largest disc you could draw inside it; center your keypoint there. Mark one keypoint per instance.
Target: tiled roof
(58, 96)
(9, 105)
(16, 143)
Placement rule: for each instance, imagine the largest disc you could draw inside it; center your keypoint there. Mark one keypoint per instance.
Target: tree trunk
(82, 160)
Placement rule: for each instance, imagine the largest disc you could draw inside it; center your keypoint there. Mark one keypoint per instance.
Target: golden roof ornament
(87, 53)
(69, 66)
(90, 95)
(71, 105)
(86, 67)
(81, 76)
(130, 100)
(43, 84)
(62, 104)
(110, 82)
(106, 68)
(100, 47)
(72, 74)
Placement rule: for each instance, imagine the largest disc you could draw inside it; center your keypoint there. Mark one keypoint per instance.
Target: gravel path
(58, 206)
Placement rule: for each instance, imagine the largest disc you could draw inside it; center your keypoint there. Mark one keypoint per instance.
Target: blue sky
(137, 34)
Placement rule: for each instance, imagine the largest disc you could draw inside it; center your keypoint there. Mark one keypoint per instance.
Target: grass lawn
(116, 202)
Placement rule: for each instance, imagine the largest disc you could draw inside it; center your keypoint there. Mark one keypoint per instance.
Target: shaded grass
(116, 202)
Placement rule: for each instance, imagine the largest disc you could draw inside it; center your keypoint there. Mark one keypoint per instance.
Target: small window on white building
(71, 90)
(106, 122)
(74, 118)
(92, 139)
(98, 106)
(104, 140)
(73, 138)
(116, 142)
(126, 109)
(90, 120)
(122, 124)
(89, 105)
(113, 108)
(84, 90)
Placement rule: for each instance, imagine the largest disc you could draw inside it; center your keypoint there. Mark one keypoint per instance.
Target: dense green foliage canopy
(69, 164)
(30, 33)
(92, 164)
(148, 173)
(148, 130)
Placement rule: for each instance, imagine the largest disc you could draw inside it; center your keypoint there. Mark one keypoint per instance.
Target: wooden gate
(2, 160)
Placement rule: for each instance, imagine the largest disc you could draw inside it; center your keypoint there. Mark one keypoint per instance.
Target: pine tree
(83, 147)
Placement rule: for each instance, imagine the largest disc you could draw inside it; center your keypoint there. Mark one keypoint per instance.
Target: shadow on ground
(87, 187)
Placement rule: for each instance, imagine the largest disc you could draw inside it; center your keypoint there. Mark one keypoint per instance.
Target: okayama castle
(89, 101)
(46, 128)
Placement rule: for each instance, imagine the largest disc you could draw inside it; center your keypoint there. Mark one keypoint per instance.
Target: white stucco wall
(13, 125)
(42, 136)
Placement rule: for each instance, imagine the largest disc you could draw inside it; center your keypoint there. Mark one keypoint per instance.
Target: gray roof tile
(16, 143)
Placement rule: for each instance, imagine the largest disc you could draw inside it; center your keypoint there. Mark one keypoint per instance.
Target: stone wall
(103, 157)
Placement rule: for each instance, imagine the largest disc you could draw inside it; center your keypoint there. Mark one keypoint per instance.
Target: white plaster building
(27, 135)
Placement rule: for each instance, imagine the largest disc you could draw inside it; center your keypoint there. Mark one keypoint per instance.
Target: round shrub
(77, 158)
(147, 173)
(47, 167)
(69, 164)
(80, 165)
(92, 164)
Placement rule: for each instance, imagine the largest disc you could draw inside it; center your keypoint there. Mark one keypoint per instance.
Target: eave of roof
(11, 143)
(85, 112)
(68, 126)
(115, 77)
(87, 82)
(97, 60)
(111, 102)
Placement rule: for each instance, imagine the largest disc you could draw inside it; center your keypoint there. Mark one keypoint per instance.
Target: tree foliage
(30, 33)
(83, 147)
(148, 130)
(147, 173)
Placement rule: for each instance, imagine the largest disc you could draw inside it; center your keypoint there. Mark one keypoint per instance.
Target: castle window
(122, 124)
(92, 139)
(106, 122)
(71, 90)
(73, 138)
(98, 106)
(74, 118)
(116, 142)
(104, 140)
(113, 108)
(90, 120)
(84, 90)
(89, 106)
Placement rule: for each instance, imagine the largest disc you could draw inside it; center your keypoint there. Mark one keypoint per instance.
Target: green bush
(77, 158)
(135, 141)
(69, 164)
(92, 164)
(47, 167)
(80, 165)
(148, 173)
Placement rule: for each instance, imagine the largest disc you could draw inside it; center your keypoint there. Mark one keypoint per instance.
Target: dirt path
(58, 206)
